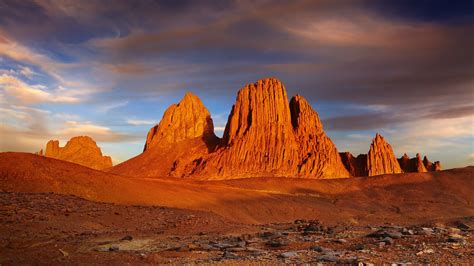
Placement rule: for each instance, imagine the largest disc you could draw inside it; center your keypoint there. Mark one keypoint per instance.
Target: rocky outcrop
(414, 165)
(318, 154)
(186, 120)
(357, 166)
(436, 166)
(177, 145)
(258, 139)
(80, 150)
(381, 159)
(265, 135)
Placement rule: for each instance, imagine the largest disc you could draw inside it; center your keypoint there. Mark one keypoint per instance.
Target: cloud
(31, 94)
(110, 106)
(139, 122)
(219, 128)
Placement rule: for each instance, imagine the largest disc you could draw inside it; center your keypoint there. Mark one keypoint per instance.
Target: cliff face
(81, 150)
(265, 135)
(318, 154)
(186, 120)
(258, 139)
(381, 159)
(177, 145)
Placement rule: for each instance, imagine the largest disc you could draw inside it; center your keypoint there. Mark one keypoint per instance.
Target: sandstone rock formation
(80, 150)
(436, 166)
(381, 159)
(265, 135)
(318, 154)
(414, 165)
(175, 146)
(258, 138)
(185, 120)
(357, 166)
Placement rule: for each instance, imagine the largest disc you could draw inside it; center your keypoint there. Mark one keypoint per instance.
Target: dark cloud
(367, 121)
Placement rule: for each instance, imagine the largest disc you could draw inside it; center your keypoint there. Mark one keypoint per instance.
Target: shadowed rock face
(357, 166)
(414, 165)
(186, 120)
(81, 150)
(436, 166)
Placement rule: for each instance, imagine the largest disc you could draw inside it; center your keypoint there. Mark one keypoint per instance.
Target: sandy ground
(115, 219)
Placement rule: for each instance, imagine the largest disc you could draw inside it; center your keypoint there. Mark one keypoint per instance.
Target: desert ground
(56, 212)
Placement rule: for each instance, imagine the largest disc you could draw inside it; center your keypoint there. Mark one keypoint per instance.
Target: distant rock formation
(265, 135)
(186, 120)
(414, 165)
(436, 166)
(381, 159)
(80, 150)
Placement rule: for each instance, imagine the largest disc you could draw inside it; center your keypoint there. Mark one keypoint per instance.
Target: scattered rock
(328, 258)
(127, 238)
(289, 254)
(65, 254)
(425, 251)
(276, 243)
(456, 238)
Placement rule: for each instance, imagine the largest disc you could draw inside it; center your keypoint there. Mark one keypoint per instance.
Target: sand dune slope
(403, 198)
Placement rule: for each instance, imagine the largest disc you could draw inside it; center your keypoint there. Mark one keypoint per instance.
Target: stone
(288, 254)
(456, 238)
(387, 240)
(381, 159)
(82, 150)
(276, 243)
(127, 238)
(328, 258)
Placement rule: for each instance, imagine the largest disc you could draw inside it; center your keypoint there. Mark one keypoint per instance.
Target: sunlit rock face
(381, 159)
(81, 150)
(186, 120)
(265, 135)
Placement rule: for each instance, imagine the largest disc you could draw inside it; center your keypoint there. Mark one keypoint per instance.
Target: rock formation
(175, 146)
(258, 138)
(185, 120)
(414, 165)
(381, 159)
(81, 150)
(436, 166)
(318, 154)
(357, 166)
(265, 135)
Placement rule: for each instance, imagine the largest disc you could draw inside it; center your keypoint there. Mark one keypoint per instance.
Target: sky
(109, 69)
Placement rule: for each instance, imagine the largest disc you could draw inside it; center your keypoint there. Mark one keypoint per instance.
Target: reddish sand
(403, 198)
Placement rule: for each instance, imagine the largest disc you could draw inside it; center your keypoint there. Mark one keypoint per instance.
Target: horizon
(110, 72)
